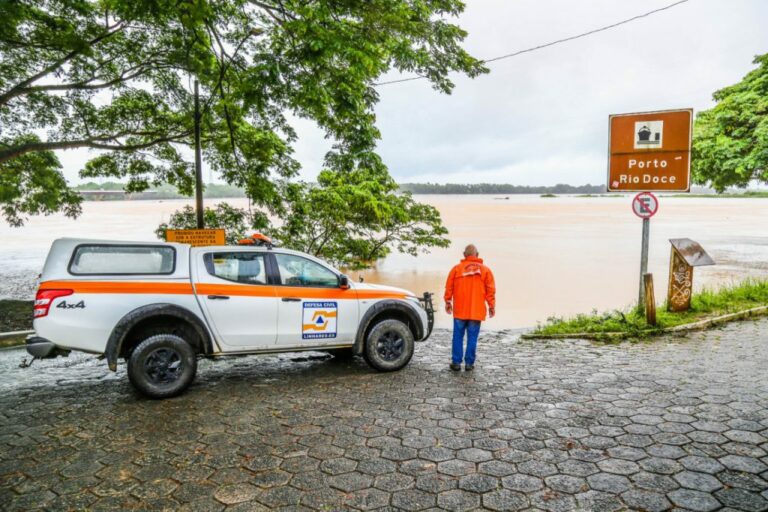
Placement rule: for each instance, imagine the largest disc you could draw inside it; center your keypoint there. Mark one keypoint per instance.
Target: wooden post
(650, 300)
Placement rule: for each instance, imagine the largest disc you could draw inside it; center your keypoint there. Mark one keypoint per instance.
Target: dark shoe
(455, 367)
(469, 367)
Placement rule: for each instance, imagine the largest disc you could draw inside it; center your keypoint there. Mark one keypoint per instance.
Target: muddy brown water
(551, 256)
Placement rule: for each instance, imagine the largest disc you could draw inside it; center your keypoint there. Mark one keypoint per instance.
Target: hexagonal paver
(566, 484)
(742, 500)
(394, 482)
(618, 466)
(479, 483)
(349, 482)
(235, 493)
(693, 500)
(746, 464)
(458, 500)
(608, 482)
(553, 501)
(537, 468)
(646, 500)
(701, 464)
(456, 467)
(697, 481)
(505, 500)
(413, 499)
(522, 483)
(338, 466)
(368, 499)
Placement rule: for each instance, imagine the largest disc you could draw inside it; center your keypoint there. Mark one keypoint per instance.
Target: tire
(342, 354)
(162, 366)
(389, 346)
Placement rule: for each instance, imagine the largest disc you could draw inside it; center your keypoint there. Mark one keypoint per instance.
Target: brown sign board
(650, 151)
(196, 237)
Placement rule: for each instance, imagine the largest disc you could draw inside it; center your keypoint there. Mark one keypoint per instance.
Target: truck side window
(240, 267)
(298, 271)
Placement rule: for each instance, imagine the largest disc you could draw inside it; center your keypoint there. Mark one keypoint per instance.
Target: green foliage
(115, 76)
(236, 222)
(356, 216)
(730, 145)
(705, 304)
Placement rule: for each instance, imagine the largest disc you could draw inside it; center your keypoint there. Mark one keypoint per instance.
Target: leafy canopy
(115, 76)
(354, 218)
(730, 144)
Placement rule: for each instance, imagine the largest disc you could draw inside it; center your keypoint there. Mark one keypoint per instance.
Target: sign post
(644, 205)
(649, 151)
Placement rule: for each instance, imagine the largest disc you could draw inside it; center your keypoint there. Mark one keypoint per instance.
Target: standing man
(470, 286)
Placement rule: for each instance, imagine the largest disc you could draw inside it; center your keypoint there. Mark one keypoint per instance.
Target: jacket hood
(472, 259)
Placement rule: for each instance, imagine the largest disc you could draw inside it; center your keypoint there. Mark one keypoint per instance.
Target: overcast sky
(542, 118)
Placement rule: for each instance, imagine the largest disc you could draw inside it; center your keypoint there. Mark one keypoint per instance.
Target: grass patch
(547, 195)
(705, 304)
(15, 315)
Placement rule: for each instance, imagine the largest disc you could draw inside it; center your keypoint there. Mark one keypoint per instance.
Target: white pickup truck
(160, 306)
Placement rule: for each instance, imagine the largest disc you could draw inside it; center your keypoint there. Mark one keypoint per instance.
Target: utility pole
(198, 163)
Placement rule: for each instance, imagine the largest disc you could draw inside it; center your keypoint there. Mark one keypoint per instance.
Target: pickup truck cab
(160, 306)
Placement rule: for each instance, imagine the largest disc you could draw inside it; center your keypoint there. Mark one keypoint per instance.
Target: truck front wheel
(389, 345)
(162, 366)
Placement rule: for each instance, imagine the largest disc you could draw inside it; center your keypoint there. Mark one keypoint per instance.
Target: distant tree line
(498, 188)
(163, 191)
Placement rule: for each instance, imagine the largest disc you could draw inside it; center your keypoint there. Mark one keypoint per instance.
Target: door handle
(291, 299)
(218, 297)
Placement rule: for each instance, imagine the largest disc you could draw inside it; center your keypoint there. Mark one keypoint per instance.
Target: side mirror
(343, 282)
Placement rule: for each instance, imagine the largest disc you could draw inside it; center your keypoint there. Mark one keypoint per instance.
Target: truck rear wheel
(162, 366)
(389, 346)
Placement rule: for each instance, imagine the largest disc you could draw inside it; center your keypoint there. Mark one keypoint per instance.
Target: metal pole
(198, 163)
(643, 264)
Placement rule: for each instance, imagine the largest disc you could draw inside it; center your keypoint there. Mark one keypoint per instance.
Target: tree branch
(91, 142)
(19, 88)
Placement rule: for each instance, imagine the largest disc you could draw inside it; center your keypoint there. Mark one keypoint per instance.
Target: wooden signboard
(650, 151)
(686, 254)
(196, 237)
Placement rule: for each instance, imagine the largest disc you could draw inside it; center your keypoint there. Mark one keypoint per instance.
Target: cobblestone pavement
(675, 423)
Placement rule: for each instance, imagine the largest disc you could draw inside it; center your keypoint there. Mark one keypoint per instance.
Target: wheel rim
(163, 366)
(390, 346)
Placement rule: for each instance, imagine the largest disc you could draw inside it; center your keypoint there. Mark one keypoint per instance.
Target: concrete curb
(695, 326)
(14, 334)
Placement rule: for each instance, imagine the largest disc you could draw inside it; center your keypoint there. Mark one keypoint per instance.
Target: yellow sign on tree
(196, 237)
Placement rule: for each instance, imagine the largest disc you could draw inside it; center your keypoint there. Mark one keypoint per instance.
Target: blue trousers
(472, 328)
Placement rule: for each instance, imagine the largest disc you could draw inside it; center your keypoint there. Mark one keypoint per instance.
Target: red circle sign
(645, 205)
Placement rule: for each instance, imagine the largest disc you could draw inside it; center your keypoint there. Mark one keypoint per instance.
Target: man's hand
(491, 312)
(449, 308)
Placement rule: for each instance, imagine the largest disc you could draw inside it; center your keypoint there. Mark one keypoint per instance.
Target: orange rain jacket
(471, 286)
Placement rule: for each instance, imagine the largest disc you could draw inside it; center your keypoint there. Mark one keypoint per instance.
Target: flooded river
(551, 256)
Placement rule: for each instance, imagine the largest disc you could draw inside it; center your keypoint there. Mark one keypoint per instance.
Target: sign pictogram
(650, 151)
(645, 205)
(319, 320)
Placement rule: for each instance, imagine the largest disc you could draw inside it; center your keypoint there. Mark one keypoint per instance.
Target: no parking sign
(645, 205)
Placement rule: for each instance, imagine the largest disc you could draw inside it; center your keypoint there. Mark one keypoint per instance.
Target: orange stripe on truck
(242, 290)
(120, 287)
